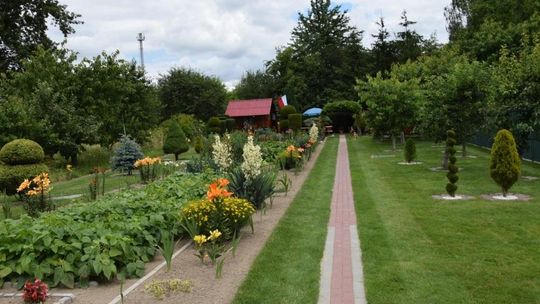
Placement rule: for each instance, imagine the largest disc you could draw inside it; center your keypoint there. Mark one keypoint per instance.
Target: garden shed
(254, 113)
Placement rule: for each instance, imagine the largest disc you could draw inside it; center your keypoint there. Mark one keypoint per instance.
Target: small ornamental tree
(452, 176)
(295, 121)
(176, 141)
(127, 153)
(213, 125)
(410, 150)
(505, 164)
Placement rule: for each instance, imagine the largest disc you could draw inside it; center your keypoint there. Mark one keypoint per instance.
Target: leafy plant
(410, 150)
(255, 190)
(505, 164)
(167, 247)
(452, 176)
(295, 121)
(35, 292)
(160, 289)
(127, 153)
(285, 182)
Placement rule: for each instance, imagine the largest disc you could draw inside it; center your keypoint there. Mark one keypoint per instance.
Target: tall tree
(44, 94)
(119, 94)
(24, 25)
(326, 56)
(257, 84)
(409, 43)
(382, 49)
(190, 92)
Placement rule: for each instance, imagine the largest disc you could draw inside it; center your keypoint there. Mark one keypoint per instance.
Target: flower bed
(116, 234)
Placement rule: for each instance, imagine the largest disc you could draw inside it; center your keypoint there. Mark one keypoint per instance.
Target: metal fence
(532, 152)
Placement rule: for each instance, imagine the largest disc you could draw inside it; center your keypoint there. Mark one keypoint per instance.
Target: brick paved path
(341, 268)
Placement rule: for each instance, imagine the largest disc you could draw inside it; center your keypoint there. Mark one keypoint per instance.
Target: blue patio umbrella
(313, 112)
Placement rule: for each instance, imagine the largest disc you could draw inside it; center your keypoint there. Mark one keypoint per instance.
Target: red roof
(251, 107)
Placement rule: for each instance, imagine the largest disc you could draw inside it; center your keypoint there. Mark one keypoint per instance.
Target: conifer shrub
(295, 121)
(285, 111)
(505, 164)
(410, 150)
(284, 125)
(231, 124)
(452, 176)
(176, 141)
(213, 125)
(126, 154)
(198, 144)
(22, 159)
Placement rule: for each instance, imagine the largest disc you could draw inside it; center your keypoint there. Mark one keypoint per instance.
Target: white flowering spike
(313, 133)
(222, 153)
(251, 167)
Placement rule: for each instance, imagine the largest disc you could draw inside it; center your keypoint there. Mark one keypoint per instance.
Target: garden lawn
(420, 250)
(288, 268)
(80, 185)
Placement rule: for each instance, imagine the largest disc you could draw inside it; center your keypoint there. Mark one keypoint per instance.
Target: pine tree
(176, 141)
(383, 50)
(505, 164)
(127, 153)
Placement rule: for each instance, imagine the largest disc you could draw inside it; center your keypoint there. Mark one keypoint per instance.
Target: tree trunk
(74, 159)
(176, 156)
(464, 149)
(393, 142)
(402, 135)
(444, 162)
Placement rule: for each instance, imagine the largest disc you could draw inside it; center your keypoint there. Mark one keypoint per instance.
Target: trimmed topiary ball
(21, 152)
(284, 125)
(505, 164)
(410, 150)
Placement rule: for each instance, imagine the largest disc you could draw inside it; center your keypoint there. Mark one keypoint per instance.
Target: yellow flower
(200, 239)
(214, 235)
(25, 184)
(291, 148)
(69, 168)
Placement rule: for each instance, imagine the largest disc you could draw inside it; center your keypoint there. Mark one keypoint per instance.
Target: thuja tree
(176, 141)
(452, 176)
(410, 150)
(505, 164)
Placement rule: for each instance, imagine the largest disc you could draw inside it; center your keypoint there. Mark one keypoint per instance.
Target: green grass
(288, 268)
(79, 185)
(420, 250)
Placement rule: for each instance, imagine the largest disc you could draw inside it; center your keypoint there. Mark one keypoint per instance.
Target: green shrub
(176, 141)
(198, 144)
(295, 121)
(126, 154)
(285, 111)
(410, 150)
(452, 176)
(284, 125)
(21, 152)
(505, 164)
(12, 176)
(117, 233)
(231, 124)
(213, 125)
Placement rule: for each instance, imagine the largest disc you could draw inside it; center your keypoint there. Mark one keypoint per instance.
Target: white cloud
(220, 37)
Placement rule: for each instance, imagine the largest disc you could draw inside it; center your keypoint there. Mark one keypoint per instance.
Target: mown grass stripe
(288, 268)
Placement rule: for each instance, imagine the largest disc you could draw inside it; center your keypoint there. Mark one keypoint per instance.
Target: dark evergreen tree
(410, 150)
(176, 141)
(452, 176)
(382, 50)
(409, 43)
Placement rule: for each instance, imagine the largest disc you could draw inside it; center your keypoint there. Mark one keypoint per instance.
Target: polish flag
(282, 101)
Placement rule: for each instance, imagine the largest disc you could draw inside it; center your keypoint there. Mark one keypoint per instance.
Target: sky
(222, 38)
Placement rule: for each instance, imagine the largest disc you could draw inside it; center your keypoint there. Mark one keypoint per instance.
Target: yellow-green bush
(505, 164)
(21, 152)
